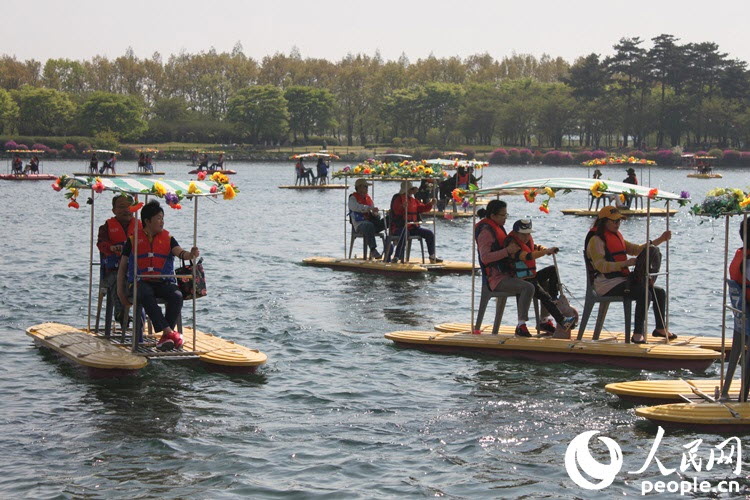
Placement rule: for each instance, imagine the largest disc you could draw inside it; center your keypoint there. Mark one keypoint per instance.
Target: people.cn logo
(579, 462)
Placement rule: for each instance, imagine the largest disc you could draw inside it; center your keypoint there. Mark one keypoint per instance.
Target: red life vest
(397, 208)
(154, 257)
(614, 251)
(116, 236)
(735, 270)
(362, 199)
(499, 234)
(462, 180)
(524, 269)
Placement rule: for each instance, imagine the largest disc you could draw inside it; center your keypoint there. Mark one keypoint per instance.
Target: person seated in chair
(322, 168)
(219, 163)
(630, 179)
(93, 164)
(522, 265)
(109, 164)
(203, 164)
(405, 210)
(16, 165)
(490, 236)
(156, 252)
(111, 238)
(364, 216)
(142, 161)
(33, 166)
(607, 253)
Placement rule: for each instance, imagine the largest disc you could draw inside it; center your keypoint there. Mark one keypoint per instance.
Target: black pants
(545, 290)
(637, 291)
(149, 291)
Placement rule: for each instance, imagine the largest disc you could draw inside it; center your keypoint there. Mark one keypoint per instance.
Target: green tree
(310, 110)
(116, 113)
(260, 112)
(172, 109)
(43, 111)
(8, 112)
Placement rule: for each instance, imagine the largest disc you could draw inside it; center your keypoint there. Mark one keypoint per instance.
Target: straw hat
(406, 186)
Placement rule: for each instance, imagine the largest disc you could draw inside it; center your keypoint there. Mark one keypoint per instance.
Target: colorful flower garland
(618, 160)
(722, 201)
(399, 170)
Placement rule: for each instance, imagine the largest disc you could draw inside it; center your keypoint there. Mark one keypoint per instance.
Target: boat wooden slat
(216, 350)
(84, 349)
(315, 187)
(713, 343)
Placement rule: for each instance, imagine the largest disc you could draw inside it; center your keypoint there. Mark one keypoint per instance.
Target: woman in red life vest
(156, 252)
(523, 265)
(735, 267)
(739, 273)
(490, 236)
(406, 209)
(364, 216)
(607, 253)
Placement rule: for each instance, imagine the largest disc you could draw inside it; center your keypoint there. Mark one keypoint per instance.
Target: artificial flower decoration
(652, 193)
(98, 186)
(618, 160)
(550, 192)
(744, 203)
(214, 189)
(193, 189)
(159, 189)
(172, 200)
(228, 192)
(135, 207)
(684, 198)
(201, 175)
(458, 195)
(73, 204)
(544, 207)
(530, 195)
(721, 201)
(598, 189)
(622, 198)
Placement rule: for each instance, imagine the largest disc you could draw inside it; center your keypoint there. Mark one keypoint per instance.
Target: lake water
(338, 411)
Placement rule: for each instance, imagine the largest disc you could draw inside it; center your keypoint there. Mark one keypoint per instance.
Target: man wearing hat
(630, 179)
(406, 209)
(523, 266)
(364, 216)
(607, 253)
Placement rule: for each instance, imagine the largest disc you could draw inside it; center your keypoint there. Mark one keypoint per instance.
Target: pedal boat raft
(408, 268)
(316, 186)
(142, 167)
(706, 405)
(610, 351)
(40, 176)
(107, 355)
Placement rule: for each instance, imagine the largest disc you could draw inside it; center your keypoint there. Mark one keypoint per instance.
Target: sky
(82, 29)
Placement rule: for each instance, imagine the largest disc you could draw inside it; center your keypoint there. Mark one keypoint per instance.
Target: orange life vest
(116, 236)
(735, 270)
(614, 251)
(499, 233)
(154, 257)
(362, 199)
(524, 269)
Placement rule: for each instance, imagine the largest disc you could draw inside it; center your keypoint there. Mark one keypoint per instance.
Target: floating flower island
(618, 160)
(383, 170)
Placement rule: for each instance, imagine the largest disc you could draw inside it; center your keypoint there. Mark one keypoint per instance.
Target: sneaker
(569, 323)
(522, 331)
(166, 343)
(375, 254)
(547, 327)
(435, 260)
(177, 339)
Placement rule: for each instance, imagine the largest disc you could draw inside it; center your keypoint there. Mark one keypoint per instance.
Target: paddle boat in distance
(703, 166)
(105, 353)
(33, 171)
(305, 179)
(404, 267)
(714, 406)
(145, 166)
(217, 166)
(610, 350)
(93, 169)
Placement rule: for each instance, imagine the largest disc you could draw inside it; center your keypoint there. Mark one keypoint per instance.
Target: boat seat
(392, 240)
(604, 301)
(502, 299)
(356, 234)
(302, 179)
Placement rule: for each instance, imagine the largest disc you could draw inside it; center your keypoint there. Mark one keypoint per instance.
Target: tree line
(656, 94)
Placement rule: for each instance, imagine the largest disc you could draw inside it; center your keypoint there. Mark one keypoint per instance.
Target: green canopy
(137, 185)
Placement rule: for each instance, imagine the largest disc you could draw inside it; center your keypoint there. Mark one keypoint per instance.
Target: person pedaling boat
(736, 280)
(110, 241)
(156, 252)
(606, 252)
(17, 165)
(405, 208)
(522, 265)
(490, 236)
(365, 217)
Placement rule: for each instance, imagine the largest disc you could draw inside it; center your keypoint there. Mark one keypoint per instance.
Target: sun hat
(361, 182)
(611, 213)
(523, 226)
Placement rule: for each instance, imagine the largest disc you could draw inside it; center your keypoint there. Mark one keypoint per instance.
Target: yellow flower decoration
(160, 189)
(193, 189)
(597, 189)
(745, 202)
(550, 192)
(622, 198)
(229, 192)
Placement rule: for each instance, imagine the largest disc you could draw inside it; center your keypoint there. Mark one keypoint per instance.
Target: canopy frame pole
(194, 266)
(666, 301)
(743, 301)
(473, 263)
(134, 254)
(91, 262)
(647, 283)
(346, 199)
(724, 302)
